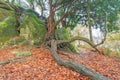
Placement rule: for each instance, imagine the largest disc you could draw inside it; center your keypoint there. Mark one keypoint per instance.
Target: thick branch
(79, 38)
(65, 15)
(103, 40)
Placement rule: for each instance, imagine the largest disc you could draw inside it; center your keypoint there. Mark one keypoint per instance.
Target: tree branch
(65, 15)
(105, 34)
(79, 38)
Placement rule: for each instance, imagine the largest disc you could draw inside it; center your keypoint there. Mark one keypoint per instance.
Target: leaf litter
(41, 66)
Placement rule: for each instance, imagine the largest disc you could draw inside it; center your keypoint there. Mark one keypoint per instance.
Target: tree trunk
(89, 22)
(75, 66)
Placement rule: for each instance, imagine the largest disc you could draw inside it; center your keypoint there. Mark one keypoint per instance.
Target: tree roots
(73, 65)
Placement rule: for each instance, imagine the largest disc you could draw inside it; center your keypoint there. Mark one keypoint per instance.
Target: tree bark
(75, 66)
(79, 38)
(89, 22)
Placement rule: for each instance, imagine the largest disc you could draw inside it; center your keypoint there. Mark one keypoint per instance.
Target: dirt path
(41, 66)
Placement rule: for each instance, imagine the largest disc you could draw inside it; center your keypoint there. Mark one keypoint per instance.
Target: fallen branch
(73, 65)
(12, 60)
(4, 62)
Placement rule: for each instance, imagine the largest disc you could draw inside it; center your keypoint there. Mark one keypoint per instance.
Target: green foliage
(3, 24)
(114, 37)
(106, 9)
(63, 33)
(7, 28)
(112, 44)
(32, 28)
(112, 18)
(107, 51)
(5, 13)
(118, 53)
(15, 41)
(98, 9)
(21, 41)
(22, 53)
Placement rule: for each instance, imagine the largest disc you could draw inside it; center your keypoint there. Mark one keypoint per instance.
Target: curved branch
(79, 38)
(103, 40)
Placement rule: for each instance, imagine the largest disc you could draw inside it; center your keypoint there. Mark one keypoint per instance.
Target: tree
(89, 21)
(70, 8)
(94, 15)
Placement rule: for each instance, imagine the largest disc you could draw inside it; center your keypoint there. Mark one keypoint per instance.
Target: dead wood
(12, 60)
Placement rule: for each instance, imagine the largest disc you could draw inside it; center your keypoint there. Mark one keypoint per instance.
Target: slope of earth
(41, 66)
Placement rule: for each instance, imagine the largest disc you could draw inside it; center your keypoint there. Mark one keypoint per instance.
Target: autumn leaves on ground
(41, 66)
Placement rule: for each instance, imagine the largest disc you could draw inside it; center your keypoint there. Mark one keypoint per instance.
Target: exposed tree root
(60, 52)
(73, 65)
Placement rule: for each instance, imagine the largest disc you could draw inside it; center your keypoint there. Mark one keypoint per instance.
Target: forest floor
(41, 66)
